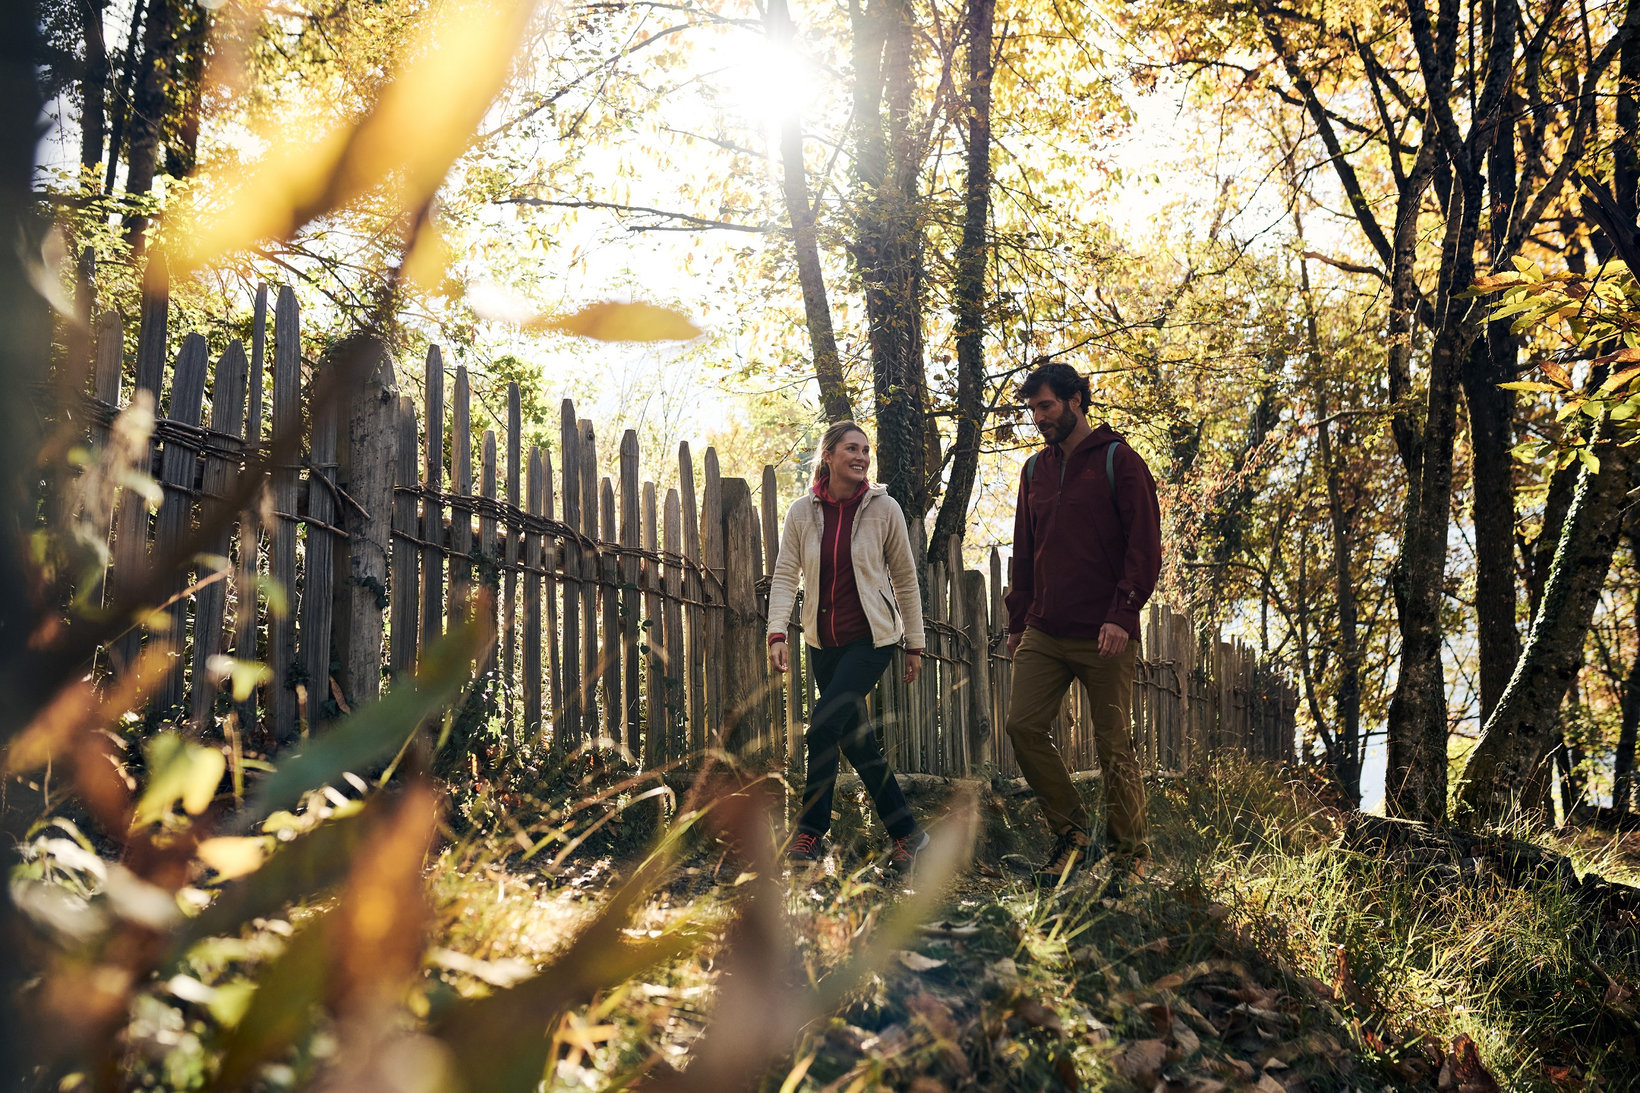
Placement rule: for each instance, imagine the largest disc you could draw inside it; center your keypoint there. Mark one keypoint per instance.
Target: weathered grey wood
(151, 333)
(694, 666)
(788, 714)
(743, 676)
(980, 728)
(432, 511)
(551, 554)
(938, 729)
(509, 580)
(768, 539)
(179, 461)
(531, 644)
(250, 521)
(630, 607)
(611, 648)
(105, 388)
(712, 531)
(959, 699)
(654, 634)
(592, 658)
(487, 547)
(320, 570)
(366, 458)
(405, 618)
(574, 724)
(131, 525)
(210, 602)
(673, 657)
(287, 422)
(461, 485)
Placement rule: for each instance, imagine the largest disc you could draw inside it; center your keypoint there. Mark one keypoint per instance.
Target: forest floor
(1281, 944)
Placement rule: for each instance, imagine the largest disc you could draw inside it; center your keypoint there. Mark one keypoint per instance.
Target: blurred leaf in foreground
(610, 321)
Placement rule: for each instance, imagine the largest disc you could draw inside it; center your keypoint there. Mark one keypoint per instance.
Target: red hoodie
(841, 618)
(1082, 559)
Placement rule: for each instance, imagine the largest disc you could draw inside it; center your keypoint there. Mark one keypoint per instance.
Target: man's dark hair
(1065, 381)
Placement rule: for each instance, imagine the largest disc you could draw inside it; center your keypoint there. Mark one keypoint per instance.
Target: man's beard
(1054, 432)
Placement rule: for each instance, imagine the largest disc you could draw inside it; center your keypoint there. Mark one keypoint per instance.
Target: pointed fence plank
(491, 571)
(287, 421)
(432, 510)
(246, 596)
(673, 744)
(744, 679)
(531, 644)
(574, 726)
(405, 620)
(179, 461)
(320, 568)
(612, 648)
(653, 631)
(712, 529)
(461, 485)
(221, 467)
(630, 605)
(552, 553)
(514, 548)
(366, 457)
(592, 663)
(105, 388)
(694, 591)
(131, 525)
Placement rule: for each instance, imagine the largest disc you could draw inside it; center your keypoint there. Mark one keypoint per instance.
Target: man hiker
(1087, 552)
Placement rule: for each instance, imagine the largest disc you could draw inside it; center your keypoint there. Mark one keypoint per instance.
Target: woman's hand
(913, 667)
(778, 658)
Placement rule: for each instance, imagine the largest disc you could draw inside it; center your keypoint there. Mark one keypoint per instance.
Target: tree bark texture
(973, 258)
(1519, 734)
(149, 103)
(1491, 413)
(889, 244)
(828, 368)
(1623, 764)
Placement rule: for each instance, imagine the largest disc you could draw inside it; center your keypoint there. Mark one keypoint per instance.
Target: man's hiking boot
(806, 848)
(902, 853)
(1126, 872)
(1071, 851)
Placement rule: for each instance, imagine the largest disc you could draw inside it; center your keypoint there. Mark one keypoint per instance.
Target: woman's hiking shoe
(1071, 851)
(902, 853)
(1126, 871)
(806, 848)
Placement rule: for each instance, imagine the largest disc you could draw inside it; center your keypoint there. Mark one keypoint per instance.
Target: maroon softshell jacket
(1081, 558)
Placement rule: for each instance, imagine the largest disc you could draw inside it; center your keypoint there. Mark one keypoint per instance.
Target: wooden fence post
(495, 684)
(631, 536)
(367, 453)
(406, 610)
(745, 714)
(321, 561)
(551, 552)
(609, 567)
(592, 664)
(712, 529)
(674, 662)
(573, 724)
(692, 667)
(178, 462)
(532, 606)
(221, 467)
(250, 521)
(287, 424)
(652, 577)
(461, 485)
(980, 728)
(432, 511)
(514, 548)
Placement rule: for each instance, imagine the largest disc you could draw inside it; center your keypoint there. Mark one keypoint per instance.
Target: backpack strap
(1110, 467)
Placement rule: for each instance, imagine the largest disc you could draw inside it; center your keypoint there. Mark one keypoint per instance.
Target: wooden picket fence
(623, 615)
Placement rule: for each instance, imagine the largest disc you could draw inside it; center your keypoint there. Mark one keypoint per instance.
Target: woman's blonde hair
(828, 443)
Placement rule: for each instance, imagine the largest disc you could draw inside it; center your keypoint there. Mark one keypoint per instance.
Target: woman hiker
(845, 540)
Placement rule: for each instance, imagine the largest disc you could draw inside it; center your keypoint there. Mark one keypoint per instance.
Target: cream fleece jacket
(884, 573)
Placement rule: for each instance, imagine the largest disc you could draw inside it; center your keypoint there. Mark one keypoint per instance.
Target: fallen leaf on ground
(1467, 1072)
(1159, 1016)
(917, 962)
(1034, 1013)
(1141, 1062)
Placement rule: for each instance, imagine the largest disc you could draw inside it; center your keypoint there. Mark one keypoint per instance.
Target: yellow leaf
(412, 133)
(233, 856)
(1556, 373)
(609, 321)
(428, 265)
(178, 769)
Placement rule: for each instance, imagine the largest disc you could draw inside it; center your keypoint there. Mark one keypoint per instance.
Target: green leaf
(284, 1006)
(178, 769)
(245, 675)
(377, 731)
(1589, 460)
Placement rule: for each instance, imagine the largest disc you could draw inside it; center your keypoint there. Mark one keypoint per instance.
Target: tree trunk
(1519, 734)
(972, 260)
(93, 122)
(120, 100)
(1491, 413)
(1347, 698)
(828, 369)
(1623, 765)
(889, 244)
(149, 100)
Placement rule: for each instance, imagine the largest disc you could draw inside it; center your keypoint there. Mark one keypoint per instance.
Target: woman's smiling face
(849, 461)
